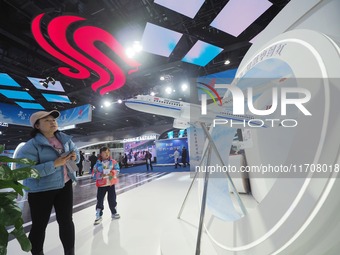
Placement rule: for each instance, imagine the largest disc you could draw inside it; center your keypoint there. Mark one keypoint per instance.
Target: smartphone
(68, 153)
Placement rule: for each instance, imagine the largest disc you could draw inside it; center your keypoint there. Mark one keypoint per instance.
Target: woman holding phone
(53, 151)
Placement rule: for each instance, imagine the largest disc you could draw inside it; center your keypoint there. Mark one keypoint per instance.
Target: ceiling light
(227, 62)
(107, 103)
(162, 78)
(137, 46)
(152, 94)
(130, 53)
(184, 87)
(168, 90)
(120, 101)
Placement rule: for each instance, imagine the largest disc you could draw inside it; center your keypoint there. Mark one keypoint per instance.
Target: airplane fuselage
(183, 112)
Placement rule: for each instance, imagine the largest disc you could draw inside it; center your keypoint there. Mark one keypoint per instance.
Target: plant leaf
(20, 235)
(5, 172)
(3, 237)
(26, 161)
(9, 214)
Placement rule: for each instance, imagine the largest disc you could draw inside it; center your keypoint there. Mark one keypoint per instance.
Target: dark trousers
(41, 204)
(149, 166)
(111, 198)
(177, 164)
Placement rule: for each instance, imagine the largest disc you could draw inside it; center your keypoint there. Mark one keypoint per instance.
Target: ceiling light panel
(7, 80)
(159, 40)
(237, 15)
(188, 8)
(37, 83)
(201, 53)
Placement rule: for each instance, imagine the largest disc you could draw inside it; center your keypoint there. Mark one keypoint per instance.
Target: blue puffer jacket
(39, 150)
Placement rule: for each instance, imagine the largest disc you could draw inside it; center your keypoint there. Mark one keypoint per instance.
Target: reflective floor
(146, 202)
(149, 204)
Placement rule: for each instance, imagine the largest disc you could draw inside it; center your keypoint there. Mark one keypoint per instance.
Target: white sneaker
(115, 216)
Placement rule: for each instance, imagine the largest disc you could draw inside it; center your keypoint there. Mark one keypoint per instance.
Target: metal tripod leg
(203, 204)
(192, 182)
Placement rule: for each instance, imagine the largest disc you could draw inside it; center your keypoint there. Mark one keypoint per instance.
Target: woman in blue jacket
(54, 153)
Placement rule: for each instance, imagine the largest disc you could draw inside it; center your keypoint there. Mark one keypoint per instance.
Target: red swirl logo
(57, 44)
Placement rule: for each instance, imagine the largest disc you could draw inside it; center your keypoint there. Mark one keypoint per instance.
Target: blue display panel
(202, 53)
(30, 105)
(16, 115)
(14, 94)
(165, 150)
(7, 80)
(158, 40)
(181, 133)
(56, 98)
(171, 134)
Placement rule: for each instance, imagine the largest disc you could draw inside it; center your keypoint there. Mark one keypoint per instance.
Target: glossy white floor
(148, 224)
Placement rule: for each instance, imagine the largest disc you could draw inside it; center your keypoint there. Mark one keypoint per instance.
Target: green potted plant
(10, 188)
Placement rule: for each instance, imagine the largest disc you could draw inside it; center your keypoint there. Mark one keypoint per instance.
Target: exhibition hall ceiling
(79, 48)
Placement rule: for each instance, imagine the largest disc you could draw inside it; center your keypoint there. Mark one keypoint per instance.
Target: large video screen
(165, 150)
(136, 150)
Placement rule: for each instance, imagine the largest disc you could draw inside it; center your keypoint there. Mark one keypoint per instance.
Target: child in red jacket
(105, 172)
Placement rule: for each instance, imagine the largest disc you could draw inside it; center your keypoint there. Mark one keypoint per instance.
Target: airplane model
(227, 100)
(185, 114)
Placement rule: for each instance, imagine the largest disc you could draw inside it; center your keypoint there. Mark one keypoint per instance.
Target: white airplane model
(185, 114)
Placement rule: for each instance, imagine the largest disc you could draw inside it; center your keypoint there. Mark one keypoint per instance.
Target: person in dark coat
(148, 158)
(93, 159)
(184, 157)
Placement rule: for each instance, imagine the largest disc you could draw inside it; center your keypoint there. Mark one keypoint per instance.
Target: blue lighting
(181, 133)
(6, 80)
(30, 105)
(170, 134)
(14, 94)
(57, 98)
